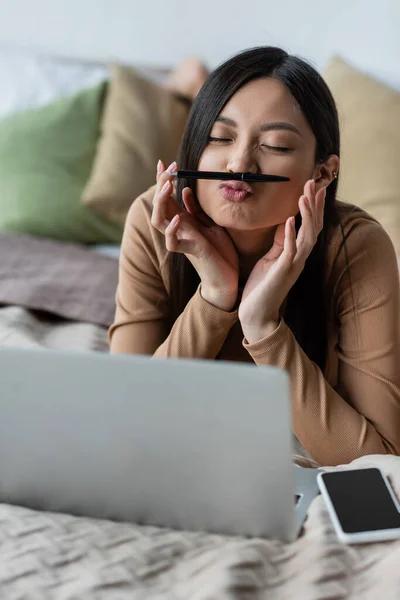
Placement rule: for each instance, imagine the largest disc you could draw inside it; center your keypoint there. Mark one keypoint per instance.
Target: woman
(277, 274)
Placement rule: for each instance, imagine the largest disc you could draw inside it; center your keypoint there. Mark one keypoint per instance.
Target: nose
(242, 160)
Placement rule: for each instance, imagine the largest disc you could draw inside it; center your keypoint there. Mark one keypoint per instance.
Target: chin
(236, 216)
(238, 222)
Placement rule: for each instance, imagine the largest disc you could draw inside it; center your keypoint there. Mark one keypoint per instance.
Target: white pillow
(29, 79)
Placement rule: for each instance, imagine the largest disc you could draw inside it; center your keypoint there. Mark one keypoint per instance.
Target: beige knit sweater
(349, 410)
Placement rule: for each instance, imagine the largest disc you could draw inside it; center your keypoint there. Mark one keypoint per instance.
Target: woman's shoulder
(138, 227)
(141, 208)
(356, 226)
(352, 216)
(359, 239)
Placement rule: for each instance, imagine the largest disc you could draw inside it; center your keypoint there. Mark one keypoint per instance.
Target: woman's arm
(199, 332)
(362, 414)
(142, 299)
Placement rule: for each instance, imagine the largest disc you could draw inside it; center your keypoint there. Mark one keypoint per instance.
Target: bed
(54, 294)
(58, 292)
(45, 555)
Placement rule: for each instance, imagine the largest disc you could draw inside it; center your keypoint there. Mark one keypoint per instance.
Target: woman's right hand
(191, 232)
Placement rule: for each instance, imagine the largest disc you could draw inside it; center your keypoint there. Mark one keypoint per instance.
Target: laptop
(179, 443)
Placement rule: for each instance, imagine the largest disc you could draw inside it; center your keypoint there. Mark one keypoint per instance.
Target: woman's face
(260, 130)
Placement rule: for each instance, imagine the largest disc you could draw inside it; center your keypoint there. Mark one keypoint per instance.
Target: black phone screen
(361, 500)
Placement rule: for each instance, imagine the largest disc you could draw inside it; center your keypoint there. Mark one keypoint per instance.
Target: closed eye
(281, 149)
(215, 139)
(277, 148)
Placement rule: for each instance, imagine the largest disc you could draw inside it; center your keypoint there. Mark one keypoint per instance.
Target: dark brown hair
(305, 309)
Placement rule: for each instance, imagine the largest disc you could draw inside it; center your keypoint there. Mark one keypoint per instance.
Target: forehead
(263, 100)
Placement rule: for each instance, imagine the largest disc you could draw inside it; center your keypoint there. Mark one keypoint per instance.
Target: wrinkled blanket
(63, 279)
(54, 556)
(30, 329)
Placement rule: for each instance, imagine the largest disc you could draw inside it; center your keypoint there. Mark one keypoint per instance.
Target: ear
(326, 172)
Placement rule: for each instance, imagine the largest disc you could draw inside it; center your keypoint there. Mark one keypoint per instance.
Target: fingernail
(159, 166)
(165, 186)
(175, 220)
(171, 167)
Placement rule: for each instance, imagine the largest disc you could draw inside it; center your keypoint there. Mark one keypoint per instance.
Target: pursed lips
(235, 191)
(237, 185)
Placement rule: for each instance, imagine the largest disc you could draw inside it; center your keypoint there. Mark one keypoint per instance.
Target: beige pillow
(369, 115)
(141, 123)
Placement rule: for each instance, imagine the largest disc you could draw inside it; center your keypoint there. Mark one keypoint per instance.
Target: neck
(251, 246)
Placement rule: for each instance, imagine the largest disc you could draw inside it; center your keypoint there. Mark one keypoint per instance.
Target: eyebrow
(274, 126)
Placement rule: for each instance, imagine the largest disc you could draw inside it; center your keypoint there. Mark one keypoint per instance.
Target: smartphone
(361, 504)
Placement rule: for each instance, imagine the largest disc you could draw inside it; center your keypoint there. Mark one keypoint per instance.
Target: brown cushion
(141, 123)
(369, 115)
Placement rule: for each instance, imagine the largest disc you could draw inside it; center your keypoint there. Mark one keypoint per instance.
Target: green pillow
(46, 157)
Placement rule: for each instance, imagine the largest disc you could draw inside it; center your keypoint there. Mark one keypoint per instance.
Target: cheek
(212, 160)
(206, 194)
(293, 189)
(298, 166)
(207, 190)
(299, 169)
(281, 200)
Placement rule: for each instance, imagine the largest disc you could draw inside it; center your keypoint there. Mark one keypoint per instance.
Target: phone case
(362, 537)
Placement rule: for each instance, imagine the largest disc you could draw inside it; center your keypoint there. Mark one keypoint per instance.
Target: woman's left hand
(276, 272)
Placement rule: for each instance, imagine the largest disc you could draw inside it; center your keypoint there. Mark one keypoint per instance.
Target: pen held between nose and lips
(223, 176)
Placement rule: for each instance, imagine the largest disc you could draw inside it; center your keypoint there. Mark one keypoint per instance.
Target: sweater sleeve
(141, 317)
(362, 414)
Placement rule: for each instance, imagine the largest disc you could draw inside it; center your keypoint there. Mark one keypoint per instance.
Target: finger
(165, 175)
(289, 244)
(306, 237)
(193, 207)
(161, 217)
(164, 206)
(317, 205)
(188, 201)
(160, 168)
(181, 236)
(307, 189)
(309, 192)
(171, 239)
(320, 208)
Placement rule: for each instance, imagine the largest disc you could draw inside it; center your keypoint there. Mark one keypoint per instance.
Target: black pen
(224, 176)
